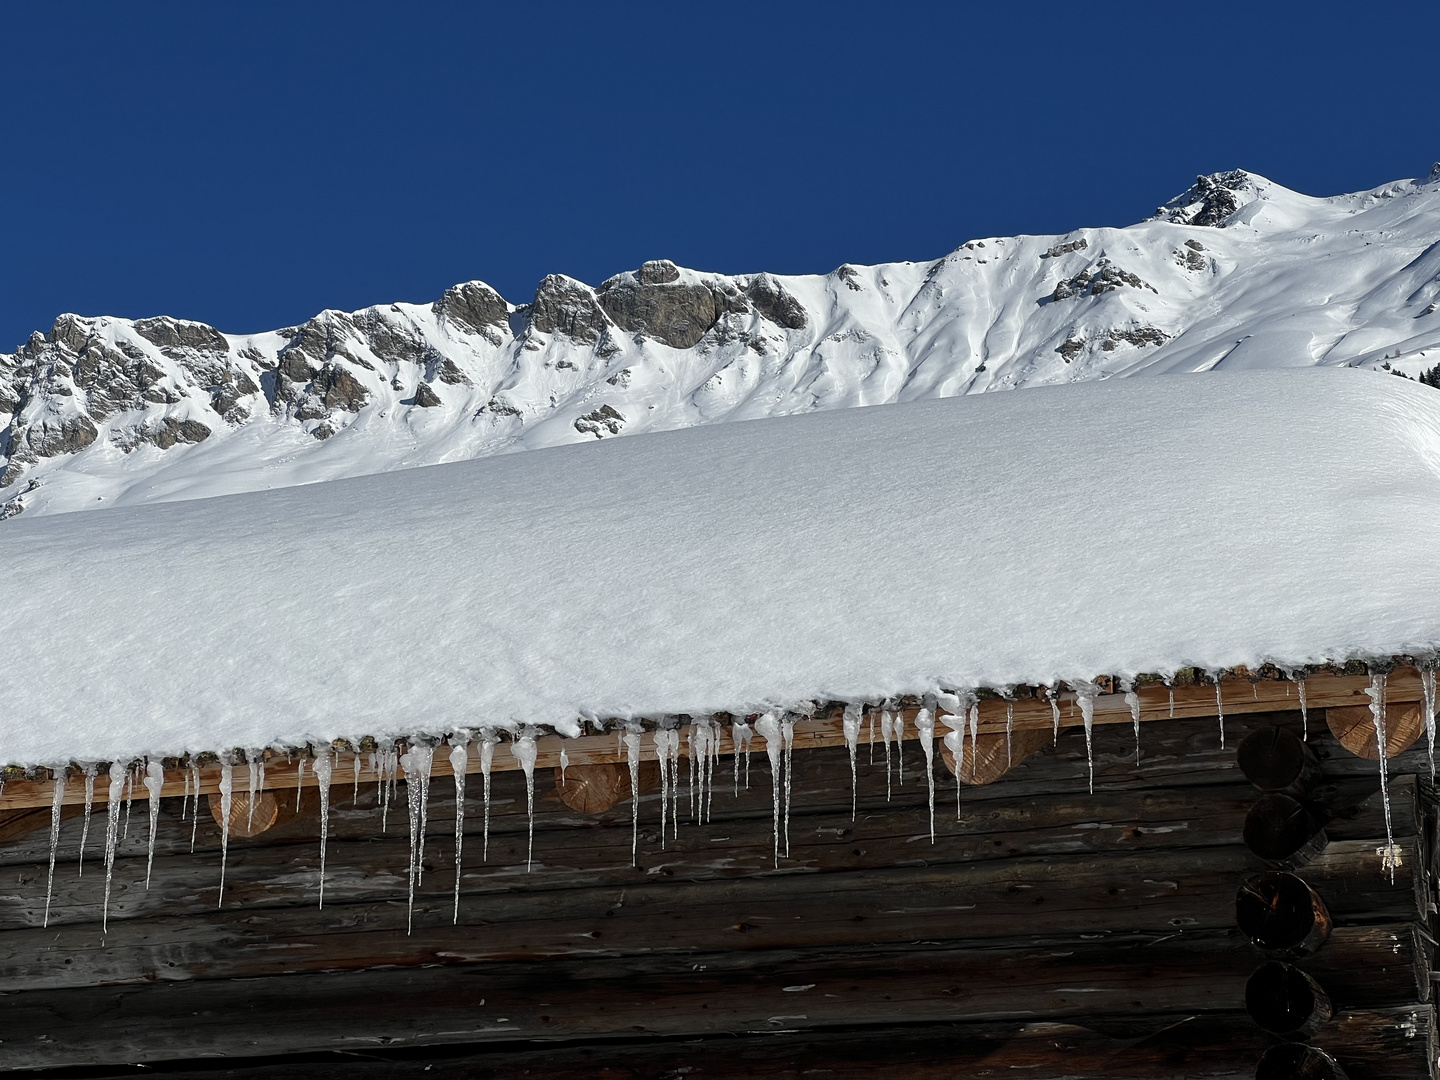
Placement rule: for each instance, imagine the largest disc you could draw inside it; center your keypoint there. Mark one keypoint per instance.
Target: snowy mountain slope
(1238, 272)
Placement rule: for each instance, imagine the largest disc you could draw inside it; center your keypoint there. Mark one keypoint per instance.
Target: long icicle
(154, 787)
(661, 739)
(887, 728)
(227, 792)
(1376, 693)
(252, 762)
(1053, 695)
(299, 782)
(925, 726)
(769, 730)
(1427, 686)
(1220, 705)
(1133, 700)
(525, 751)
(1304, 710)
(631, 741)
(118, 773)
(55, 807)
(1085, 694)
(195, 817)
(90, 770)
(459, 760)
(1009, 737)
(411, 764)
(850, 722)
(787, 732)
(324, 773)
(487, 756)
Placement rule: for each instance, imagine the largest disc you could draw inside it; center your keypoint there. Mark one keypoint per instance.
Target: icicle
(887, 729)
(227, 791)
(955, 742)
(1427, 686)
(1009, 737)
(252, 760)
(975, 730)
(129, 801)
(925, 726)
(564, 764)
(1133, 700)
(55, 806)
(388, 761)
(195, 816)
(299, 782)
(740, 734)
(185, 798)
(1376, 693)
(416, 762)
(674, 751)
(1171, 687)
(631, 741)
(1220, 706)
(872, 736)
(770, 731)
(459, 761)
(118, 773)
(324, 773)
(699, 738)
(900, 746)
(355, 792)
(1304, 710)
(154, 787)
(1085, 693)
(694, 764)
(487, 755)
(1054, 696)
(90, 771)
(661, 738)
(850, 722)
(787, 731)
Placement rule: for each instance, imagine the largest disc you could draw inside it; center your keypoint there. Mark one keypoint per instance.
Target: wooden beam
(1324, 690)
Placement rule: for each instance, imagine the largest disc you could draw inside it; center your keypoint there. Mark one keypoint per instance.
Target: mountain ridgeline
(1236, 272)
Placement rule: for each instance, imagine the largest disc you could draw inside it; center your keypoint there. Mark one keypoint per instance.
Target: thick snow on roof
(1119, 527)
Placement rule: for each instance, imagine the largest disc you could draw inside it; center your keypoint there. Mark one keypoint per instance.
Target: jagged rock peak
(1212, 200)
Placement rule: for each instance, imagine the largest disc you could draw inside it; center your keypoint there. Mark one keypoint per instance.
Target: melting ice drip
(787, 732)
(324, 772)
(925, 726)
(1054, 698)
(1133, 700)
(631, 741)
(459, 759)
(740, 735)
(416, 762)
(769, 730)
(1376, 693)
(1427, 687)
(1009, 732)
(487, 757)
(667, 752)
(887, 729)
(1085, 694)
(154, 787)
(90, 771)
(299, 782)
(195, 815)
(850, 724)
(1218, 676)
(525, 751)
(55, 807)
(116, 793)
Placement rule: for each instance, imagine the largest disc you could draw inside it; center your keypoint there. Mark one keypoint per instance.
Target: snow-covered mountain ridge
(1238, 272)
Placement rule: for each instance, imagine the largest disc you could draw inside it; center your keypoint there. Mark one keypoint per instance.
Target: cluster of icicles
(415, 759)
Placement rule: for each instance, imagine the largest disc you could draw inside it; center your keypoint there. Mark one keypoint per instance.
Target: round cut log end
(243, 823)
(1279, 912)
(1279, 827)
(1284, 1000)
(1274, 759)
(1354, 727)
(1296, 1061)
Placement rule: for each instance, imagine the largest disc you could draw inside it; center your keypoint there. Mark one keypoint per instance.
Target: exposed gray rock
(1065, 249)
(1071, 347)
(1210, 201)
(656, 304)
(849, 275)
(170, 431)
(474, 307)
(340, 390)
(1101, 278)
(449, 373)
(658, 272)
(774, 302)
(426, 398)
(603, 421)
(49, 437)
(168, 333)
(1139, 337)
(565, 306)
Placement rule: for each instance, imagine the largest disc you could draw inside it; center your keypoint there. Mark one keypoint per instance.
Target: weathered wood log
(248, 818)
(1279, 912)
(593, 789)
(995, 755)
(1296, 1061)
(1324, 691)
(1354, 727)
(1274, 759)
(1286, 1001)
(1279, 828)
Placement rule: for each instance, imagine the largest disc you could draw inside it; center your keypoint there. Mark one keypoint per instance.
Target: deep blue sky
(249, 164)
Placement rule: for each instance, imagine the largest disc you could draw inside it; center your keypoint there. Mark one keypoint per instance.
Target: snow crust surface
(1122, 527)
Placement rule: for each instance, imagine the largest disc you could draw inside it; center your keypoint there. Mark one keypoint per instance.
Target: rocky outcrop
(167, 333)
(49, 437)
(1097, 280)
(1211, 201)
(426, 398)
(563, 305)
(773, 302)
(475, 308)
(1066, 248)
(603, 421)
(654, 302)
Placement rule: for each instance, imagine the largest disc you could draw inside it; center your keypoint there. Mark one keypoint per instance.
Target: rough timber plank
(1323, 690)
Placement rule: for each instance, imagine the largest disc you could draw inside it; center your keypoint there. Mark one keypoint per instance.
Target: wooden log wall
(1048, 930)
